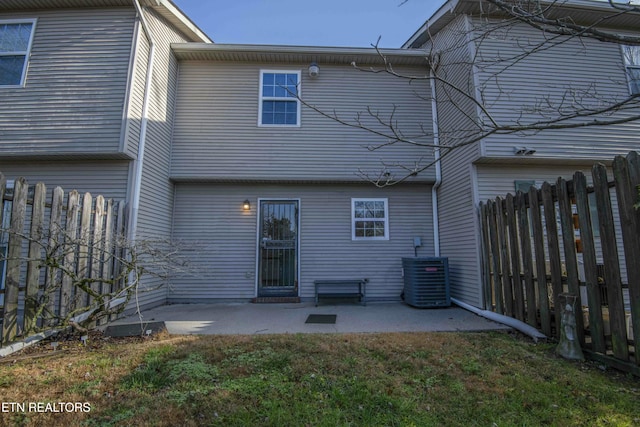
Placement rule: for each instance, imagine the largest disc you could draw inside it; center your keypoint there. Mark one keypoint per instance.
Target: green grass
(421, 379)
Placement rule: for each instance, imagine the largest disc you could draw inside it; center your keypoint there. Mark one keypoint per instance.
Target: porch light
(246, 205)
(314, 70)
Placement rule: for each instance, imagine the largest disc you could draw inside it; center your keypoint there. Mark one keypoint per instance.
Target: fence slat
(541, 268)
(495, 257)
(527, 259)
(555, 265)
(627, 177)
(52, 284)
(70, 248)
(486, 252)
(82, 297)
(507, 291)
(34, 257)
(569, 246)
(97, 252)
(611, 265)
(514, 247)
(14, 252)
(594, 302)
(107, 260)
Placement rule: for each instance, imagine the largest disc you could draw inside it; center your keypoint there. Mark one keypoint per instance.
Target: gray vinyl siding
(217, 136)
(107, 178)
(579, 66)
(457, 213)
(220, 239)
(75, 85)
(157, 192)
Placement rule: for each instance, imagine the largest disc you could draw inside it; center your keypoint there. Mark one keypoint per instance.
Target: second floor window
(279, 104)
(632, 63)
(15, 44)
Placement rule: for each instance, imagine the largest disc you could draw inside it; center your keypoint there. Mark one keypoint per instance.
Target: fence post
(527, 259)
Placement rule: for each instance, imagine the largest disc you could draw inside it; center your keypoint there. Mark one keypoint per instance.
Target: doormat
(134, 329)
(327, 319)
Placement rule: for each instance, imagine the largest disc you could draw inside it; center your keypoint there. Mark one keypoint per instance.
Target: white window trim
(353, 218)
(261, 98)
(627, 67)
(27, 53)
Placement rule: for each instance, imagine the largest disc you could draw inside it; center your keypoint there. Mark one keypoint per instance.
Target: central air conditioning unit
(426, 282)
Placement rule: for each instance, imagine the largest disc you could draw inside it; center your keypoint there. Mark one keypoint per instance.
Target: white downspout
(139, 162)
(436, 156)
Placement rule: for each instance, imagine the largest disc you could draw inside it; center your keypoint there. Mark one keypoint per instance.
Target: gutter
(139, 162)
(436, 155)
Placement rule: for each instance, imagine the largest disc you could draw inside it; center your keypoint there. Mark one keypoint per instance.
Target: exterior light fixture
(524, 151)
(314, 70)
(246, 205)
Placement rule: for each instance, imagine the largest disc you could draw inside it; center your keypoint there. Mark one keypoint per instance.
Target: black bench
(341, 289)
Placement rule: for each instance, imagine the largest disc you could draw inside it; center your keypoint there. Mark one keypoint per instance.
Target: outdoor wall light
(314, 70)
(246, 205)
(523, 151)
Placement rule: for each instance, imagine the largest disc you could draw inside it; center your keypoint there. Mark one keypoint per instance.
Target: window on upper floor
(631, 56)
(279, 104)
(15, 44)
(369, 219)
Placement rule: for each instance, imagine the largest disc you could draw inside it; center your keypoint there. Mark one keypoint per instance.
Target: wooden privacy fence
(548, 241)
(47, 248)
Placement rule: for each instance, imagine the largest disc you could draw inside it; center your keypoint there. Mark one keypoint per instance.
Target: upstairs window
(279, 104)
(632, 63)
(15, 45)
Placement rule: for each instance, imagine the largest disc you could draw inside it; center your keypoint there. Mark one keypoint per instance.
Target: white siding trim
(27, 53)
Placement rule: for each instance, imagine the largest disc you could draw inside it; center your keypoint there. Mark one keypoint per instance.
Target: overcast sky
(356, 23)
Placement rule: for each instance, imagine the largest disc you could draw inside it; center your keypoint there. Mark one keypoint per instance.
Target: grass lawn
(399, 379)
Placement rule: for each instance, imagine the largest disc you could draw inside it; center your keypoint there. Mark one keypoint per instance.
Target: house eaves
(166, 8)
(581, 11)
(298, 54)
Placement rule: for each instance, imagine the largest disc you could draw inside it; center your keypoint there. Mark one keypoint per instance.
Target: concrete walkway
(249, 319)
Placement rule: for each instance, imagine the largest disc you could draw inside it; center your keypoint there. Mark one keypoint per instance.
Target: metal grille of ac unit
(426, 282)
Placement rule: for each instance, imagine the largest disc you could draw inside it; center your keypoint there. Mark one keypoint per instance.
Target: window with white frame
(16, 37)
(631, 56)
(279, 103)
(369, 219)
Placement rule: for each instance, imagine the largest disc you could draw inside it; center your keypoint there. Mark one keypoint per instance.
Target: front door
(278, 248)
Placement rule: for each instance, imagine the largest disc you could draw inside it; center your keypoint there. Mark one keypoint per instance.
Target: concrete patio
(246, 318)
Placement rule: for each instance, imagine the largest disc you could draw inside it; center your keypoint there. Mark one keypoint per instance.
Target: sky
(353, 23)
